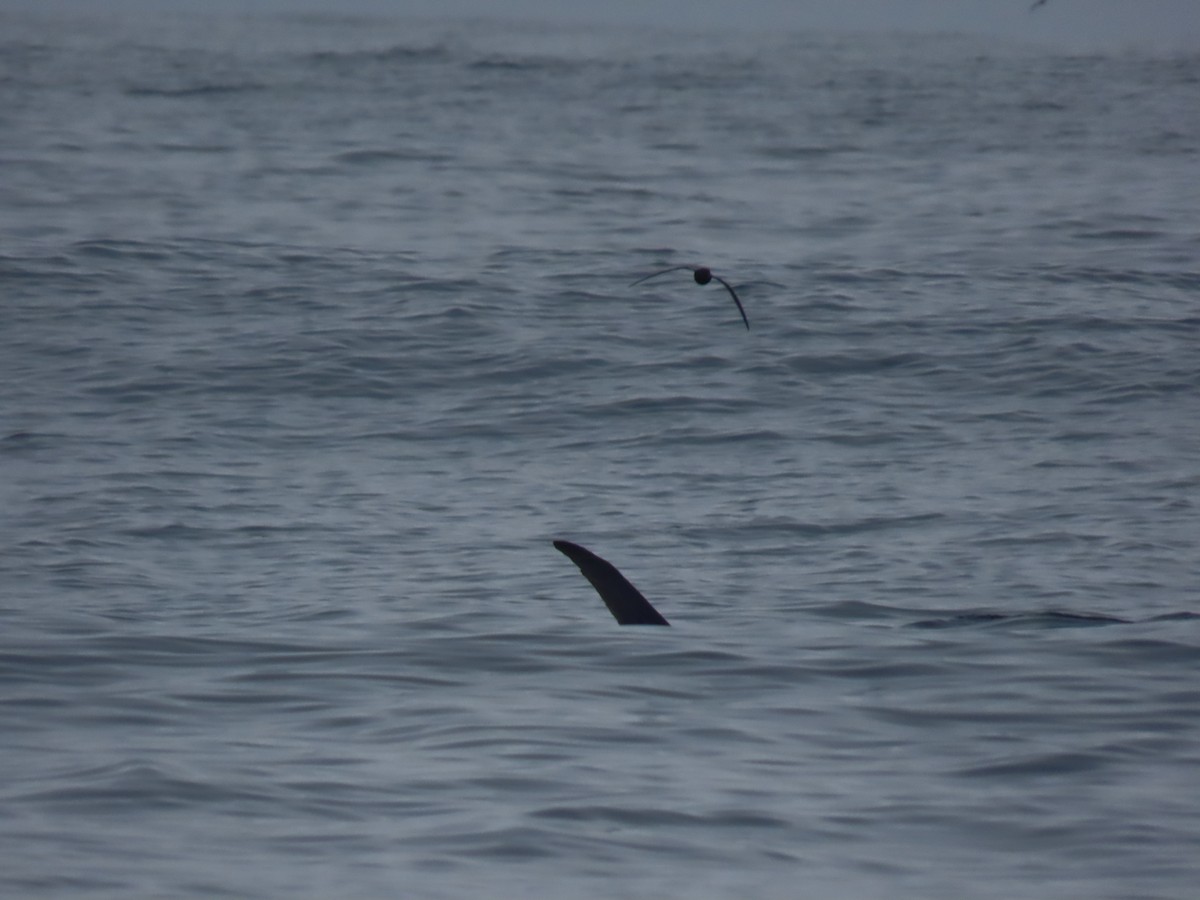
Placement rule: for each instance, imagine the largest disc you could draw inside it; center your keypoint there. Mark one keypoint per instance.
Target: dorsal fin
(623, 600)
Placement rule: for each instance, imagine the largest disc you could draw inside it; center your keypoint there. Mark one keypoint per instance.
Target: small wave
(121, 249)
(1120, 234)
(522, 64)
(804, 152)
(178, 147)
(652, 817)
(1046, 619)
(1041, 764)
(858, 610)
(781, 526)
(394, 54)
(199, 90)
(138, 785)
(853, 364)
(371, 157)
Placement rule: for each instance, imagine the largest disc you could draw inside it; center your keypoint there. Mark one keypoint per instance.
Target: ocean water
(315, 331)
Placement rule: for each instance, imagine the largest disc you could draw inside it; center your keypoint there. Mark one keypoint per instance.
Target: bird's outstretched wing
(702, 275)
(733, 294)
(663, 272)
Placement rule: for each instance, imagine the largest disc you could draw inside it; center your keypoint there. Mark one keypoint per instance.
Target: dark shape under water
(1037, 3)
(702, 275)
(623, 600)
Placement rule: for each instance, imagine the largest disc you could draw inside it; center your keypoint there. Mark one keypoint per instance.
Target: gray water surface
(314, 332)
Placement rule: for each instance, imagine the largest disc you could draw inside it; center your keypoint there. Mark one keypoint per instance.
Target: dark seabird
(703, 275)
(1037, 3)
(623, 600)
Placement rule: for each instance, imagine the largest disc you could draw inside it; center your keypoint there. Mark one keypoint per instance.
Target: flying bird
(1037, 3)
(702, 275)
(623, 600)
